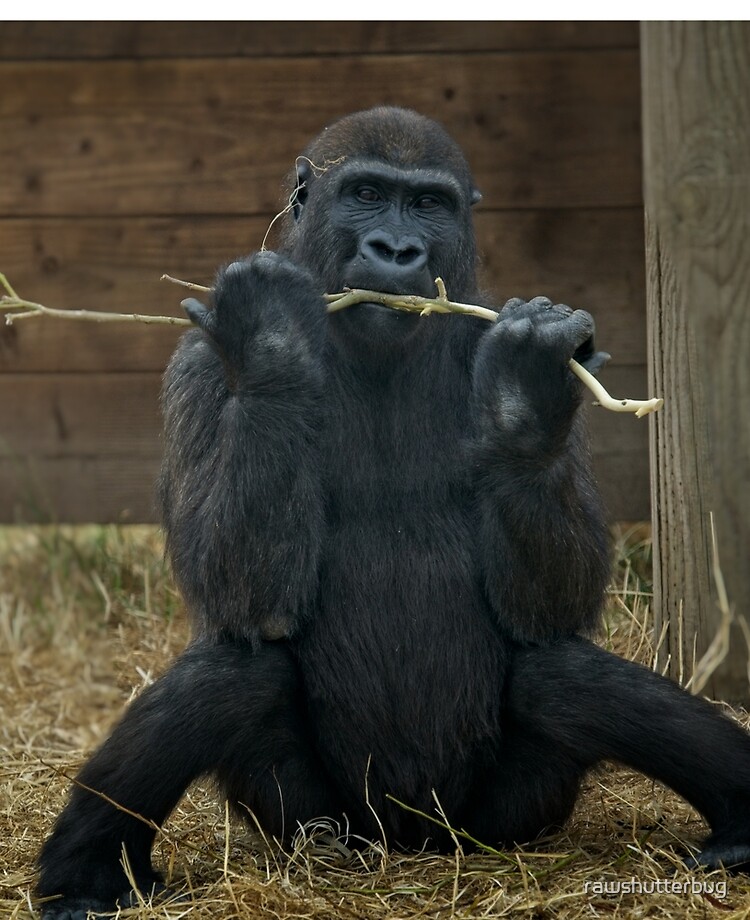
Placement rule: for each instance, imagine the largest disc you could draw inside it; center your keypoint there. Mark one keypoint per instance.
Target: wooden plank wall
(132, 149)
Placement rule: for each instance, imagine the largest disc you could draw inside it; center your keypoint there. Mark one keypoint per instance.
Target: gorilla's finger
(540, 308)
(567, 333)
(545, 315)
(235, 268)
(578, 328)
(511, 307)
(517, 330)
(199, 314)
(541, 302)
(583, 321)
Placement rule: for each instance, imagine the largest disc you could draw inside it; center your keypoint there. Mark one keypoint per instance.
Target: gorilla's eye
(367, 194)
(426, 203)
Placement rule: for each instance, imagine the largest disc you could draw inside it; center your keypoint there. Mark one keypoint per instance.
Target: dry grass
(88, 616)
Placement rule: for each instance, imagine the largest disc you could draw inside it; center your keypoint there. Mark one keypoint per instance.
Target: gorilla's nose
(404, 255)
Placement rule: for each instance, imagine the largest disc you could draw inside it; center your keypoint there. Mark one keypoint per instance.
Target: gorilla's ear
(299, 196)
(476, 196)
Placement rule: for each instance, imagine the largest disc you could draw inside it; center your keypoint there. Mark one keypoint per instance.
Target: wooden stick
(18, 309)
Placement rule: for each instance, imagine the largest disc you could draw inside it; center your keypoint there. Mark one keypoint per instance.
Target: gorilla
(387, 535)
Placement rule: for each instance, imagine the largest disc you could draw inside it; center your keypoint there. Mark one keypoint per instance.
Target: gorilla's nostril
(407, 256)
(383, 248)
(382, 251)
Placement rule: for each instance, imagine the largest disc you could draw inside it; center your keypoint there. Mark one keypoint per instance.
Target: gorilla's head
(382, 200)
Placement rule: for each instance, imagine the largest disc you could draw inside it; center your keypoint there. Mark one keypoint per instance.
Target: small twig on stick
(17, 309)
(188, 284)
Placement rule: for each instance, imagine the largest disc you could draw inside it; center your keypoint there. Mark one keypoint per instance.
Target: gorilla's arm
(240, 484)
(543, 535)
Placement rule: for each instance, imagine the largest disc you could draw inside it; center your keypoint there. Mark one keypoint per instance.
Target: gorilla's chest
(400, 520)
(399, 504)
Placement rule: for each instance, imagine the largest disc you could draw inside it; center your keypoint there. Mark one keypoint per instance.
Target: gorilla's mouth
(419, 286)
(372, 317)
(373, 307)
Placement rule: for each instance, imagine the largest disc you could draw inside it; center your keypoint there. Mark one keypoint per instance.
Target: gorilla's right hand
(265, 306)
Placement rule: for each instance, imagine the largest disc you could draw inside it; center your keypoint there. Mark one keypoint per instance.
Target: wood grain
(59, 40)
(697, 181)
(165, 137)
(78, 490)
(83, 415)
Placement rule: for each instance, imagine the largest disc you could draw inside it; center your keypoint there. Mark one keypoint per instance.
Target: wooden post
(696, 123)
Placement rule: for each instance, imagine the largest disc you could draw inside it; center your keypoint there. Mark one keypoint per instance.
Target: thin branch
(6, 284)
(409, 303)
(31, 309)
(640, 407)
(188, 284)
(440, 304)
(18, 309)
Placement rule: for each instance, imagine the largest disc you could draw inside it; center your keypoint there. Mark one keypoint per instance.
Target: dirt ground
(89, 616)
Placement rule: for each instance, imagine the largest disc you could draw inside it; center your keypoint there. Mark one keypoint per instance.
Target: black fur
(390, 544)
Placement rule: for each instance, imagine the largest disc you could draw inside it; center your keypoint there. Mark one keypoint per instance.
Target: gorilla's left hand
(521, 375)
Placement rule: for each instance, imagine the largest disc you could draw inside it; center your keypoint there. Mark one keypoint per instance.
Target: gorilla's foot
(729, 849)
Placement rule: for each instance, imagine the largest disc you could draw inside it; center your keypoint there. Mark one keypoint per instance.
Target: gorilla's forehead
(413, 176)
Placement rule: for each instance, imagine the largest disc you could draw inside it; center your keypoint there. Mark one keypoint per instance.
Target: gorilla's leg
(222, 709)
(527, 788)
(591, 706)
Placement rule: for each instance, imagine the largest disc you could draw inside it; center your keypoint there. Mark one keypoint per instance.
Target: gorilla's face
(392, 226)
(370, 224)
